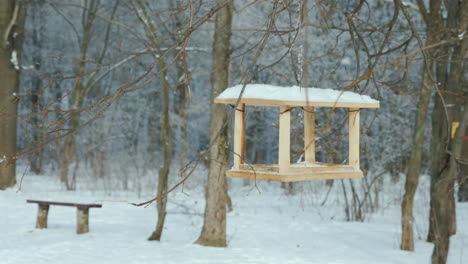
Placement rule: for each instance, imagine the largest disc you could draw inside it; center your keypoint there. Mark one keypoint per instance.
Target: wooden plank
(295, 177)
(294, 168)
(324, 164)
(328, 164)
(354, 137)
(284, 146)
(265, 102)
(317, 169)
(239, 135)
(65, 204)
(264, 168)
(309, 134)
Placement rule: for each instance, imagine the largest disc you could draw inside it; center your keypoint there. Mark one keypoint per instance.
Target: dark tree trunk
(414, 165)
(166, 142)
(443, 211)
(462, 82)
(214, 225)
(450, 69)
(12, 14)
(463, 174)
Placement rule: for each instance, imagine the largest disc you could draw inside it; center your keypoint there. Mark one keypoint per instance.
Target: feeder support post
(354, 137)
(239, 135)
(284, 139)
(309, 134)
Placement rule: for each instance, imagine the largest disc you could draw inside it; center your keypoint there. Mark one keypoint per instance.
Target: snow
(267, 227)
(410, 5)
(461, 35)
(346, 61)
(295, 94)
(14, 60)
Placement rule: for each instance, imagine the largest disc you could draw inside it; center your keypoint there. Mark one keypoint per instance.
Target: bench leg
(42, 214)
(82, 221)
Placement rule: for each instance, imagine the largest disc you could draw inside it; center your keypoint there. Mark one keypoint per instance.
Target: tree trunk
(152, 100)
(214, 225)
(36, 127)
(12, 14)
(414, 165)
(69, 159)
(463, 175)
(166, 141)
(166, 130)
(442, 222)
(462, 83)
(181, 108)
(450, 74)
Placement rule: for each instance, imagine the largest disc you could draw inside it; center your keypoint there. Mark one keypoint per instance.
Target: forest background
(113, 94)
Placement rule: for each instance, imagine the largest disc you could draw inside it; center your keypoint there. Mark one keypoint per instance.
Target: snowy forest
(111, 103)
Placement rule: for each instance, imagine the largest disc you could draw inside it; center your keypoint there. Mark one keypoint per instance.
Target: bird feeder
(287, 98)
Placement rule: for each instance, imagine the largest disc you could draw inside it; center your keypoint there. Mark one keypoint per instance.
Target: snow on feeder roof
(263, 94)
(287, 98)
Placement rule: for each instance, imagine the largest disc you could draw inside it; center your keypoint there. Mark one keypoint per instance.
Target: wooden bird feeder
(286, 98)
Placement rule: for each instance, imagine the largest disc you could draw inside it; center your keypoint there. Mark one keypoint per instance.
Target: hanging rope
(289, 110)
(308, 111)
(233, 106)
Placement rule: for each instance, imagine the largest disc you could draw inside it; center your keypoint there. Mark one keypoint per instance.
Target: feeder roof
(263, 94)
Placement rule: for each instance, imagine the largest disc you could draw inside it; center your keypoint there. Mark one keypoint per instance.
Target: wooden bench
(82, 215)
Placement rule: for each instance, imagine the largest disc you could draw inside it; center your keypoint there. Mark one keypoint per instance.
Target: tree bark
(450, 69)
(166, 141)
(442, 226)
(463, 175)
(214, 225)
(180, 107)
(461, 82)
(36, 127)
(12, 14)
(414, 165)
(69, 159)
(166, 130)
(183, 114)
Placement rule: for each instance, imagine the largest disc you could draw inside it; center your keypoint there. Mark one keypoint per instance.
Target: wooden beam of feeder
(239, 135)
(284, 139)
(309, 134)
(354, 137)
(267, 102)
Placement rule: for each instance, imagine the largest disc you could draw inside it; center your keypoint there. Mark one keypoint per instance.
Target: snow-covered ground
(267, 227)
